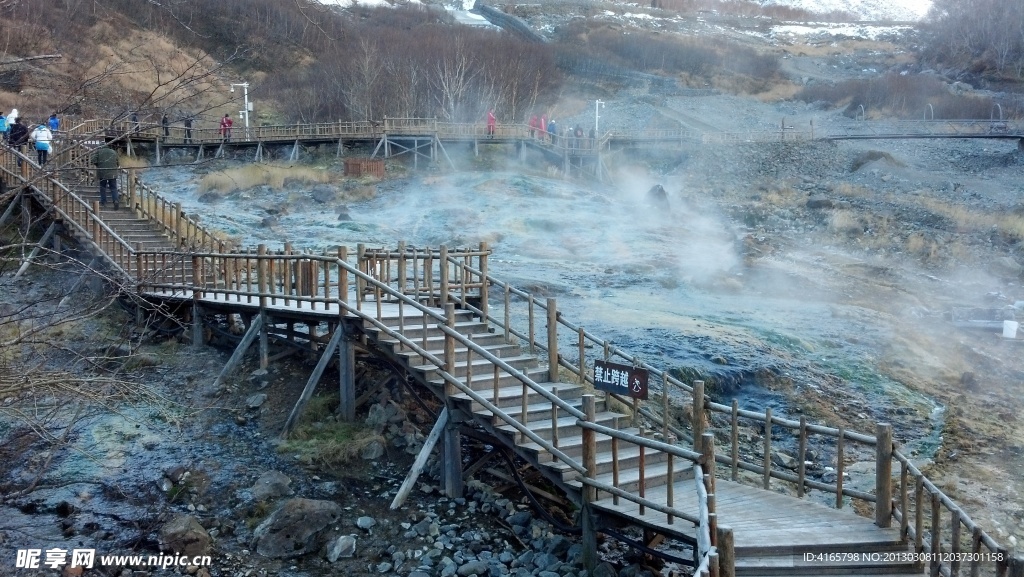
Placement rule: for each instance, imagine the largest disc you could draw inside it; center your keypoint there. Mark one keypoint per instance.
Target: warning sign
(624, 380)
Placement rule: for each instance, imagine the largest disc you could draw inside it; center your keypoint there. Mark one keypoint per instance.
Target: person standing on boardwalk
(166, 123)
(533, 125)
(42, 137)
(4, 127)
(53, 123)
(543, 126)
(225, 127)
(491, 122)
(19, 136)
(188, 130)
(553, 131)
(105, 159)
(135, 122)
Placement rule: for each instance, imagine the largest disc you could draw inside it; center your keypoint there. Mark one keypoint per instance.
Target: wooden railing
(986, 556)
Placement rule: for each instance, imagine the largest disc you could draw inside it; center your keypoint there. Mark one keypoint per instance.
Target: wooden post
(904, 501)
(919, 513)
(342, 275)
(552, 341)
(840, 469)
(707, 447)
(451, 458)
(347, 378)
(766, 481)
(197, 325)
(934, 566)
(401, 267)
(360, 266)
(264, 341)
(443, 264)
(261, 280)
(954, 543)
(801, 467)
(484, 249)
(735, 440)
(449, 347)
(726, 552)
(697, 422)
(589, 493)
(883, 475)
(583, 357)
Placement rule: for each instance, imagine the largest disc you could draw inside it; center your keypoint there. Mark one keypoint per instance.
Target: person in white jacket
(43, 139)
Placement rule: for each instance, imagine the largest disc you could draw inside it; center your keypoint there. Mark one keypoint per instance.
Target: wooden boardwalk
(438, 315)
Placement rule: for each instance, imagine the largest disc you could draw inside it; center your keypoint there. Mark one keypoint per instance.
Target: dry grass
(846, 222)
(252, 175)
(972, 221)
(853, 190)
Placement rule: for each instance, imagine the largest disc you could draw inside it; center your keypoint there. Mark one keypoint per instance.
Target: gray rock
(783, 460)
(372, 451)
(270, 485)
(521, 518)
(343, 547)
(384, 567)
(545, 561)
(365, 523)
(473, 568)
(324, 193)
(558, 545)
(293, 529)
(185, 536)
(818, 201)
(255, 401)
(605, 570)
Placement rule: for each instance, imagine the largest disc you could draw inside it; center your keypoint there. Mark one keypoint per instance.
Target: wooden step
(436, 343)
(484, 380)
(500, 350)
(480, 365)
(655, 477)
(415, 332)
(510, 396)
(567, 426)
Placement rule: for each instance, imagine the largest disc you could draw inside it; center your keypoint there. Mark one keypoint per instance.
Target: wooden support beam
(264, 341)
(89, 269)
(883, 475)
(197, 325)
(588, 523)
(236, 357)
(347, 378)
(451, 464)
(15, 202)
(421, 459)
(314, 378)
(35, 251)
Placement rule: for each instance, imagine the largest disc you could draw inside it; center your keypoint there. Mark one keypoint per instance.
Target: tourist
(491, 122)
(19, 136)
(225, 127)
(106, 162)
(42, 137)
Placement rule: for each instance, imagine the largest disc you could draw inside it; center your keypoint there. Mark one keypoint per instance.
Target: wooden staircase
(534, 411)
(142, 234)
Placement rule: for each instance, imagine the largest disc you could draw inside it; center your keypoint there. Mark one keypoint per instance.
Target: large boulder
(295, 527)
(270, 485)
(184, 536)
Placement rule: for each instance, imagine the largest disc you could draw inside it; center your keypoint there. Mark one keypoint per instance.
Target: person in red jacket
(491, 122)
(225, 127)
(543, 127)
(533, 125)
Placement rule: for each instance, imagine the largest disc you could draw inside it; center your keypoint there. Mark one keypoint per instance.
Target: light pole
(245, 102)
(598, 104)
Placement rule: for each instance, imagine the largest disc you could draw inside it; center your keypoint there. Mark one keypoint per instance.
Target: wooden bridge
(445, 324)
(424, 139)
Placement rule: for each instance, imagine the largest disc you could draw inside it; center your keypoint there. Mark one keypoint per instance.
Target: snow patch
(904, 10)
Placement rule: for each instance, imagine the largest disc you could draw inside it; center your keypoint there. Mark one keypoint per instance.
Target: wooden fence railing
(985, 555)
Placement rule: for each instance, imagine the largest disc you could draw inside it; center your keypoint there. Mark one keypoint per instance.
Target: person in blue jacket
(53, 122)
(4, 128)
(553, 130)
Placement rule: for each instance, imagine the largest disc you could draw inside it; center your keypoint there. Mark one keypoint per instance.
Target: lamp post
(598, 104)
(245, 102)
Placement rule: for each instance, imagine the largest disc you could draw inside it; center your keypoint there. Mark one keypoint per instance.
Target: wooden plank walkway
(508, 394)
